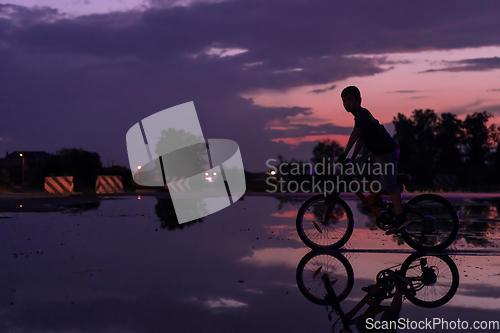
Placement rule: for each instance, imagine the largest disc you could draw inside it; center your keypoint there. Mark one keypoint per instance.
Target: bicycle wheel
(435, 279)
(312, 267)
(434, 223)
(318, 234)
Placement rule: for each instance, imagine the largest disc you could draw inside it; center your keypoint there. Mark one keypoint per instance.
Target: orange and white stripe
(59, 185)
(108, 184)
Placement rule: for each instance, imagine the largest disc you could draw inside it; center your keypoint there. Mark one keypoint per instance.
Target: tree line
(432, 144)
(83, 165)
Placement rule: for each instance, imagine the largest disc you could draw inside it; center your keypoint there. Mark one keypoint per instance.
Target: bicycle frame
(331, 298)
(331, 199)
(349, 319)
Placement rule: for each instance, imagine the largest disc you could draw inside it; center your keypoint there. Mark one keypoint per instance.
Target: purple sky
(267, 74)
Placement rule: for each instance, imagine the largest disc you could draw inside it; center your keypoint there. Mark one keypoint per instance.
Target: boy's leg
(375, 194)
(397, 202)
(367, 201)
(362, 181)
(388, 179)
(401, 220)
(366, 185)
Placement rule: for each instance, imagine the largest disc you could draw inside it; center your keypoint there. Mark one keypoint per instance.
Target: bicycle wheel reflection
(312, 267)
(425, 280)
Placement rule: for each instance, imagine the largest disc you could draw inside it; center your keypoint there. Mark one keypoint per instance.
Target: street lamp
(23, 169)
(138, 168)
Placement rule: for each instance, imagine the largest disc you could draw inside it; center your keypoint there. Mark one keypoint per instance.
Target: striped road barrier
(108, 184)
(175, 185)
(59, 185)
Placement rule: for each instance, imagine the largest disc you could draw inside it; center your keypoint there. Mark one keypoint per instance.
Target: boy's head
(352, 91)
(351, 97)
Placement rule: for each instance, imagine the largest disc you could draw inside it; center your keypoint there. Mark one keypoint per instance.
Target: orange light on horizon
(296, 141)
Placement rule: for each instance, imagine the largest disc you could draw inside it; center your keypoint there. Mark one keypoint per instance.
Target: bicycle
(326, 222)
(427, 281)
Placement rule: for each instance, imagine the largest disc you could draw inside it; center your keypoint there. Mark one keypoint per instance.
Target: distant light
(209, 179)
(206, 173)
(215, 173)
(20, 205)
(21, 155)
(273, 172)
(139, 197)
(139, 167)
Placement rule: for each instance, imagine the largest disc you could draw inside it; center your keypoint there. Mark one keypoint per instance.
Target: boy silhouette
(368, 131)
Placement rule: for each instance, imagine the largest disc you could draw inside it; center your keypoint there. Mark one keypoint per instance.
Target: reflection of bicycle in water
(425, 280)
(327, 223)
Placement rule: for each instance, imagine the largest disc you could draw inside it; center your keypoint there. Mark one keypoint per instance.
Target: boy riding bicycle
(384, 149)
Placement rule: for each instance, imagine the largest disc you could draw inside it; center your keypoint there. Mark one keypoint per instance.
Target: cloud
(298, 130)
(224, 303)
(477, 64)
(220, 302)
(475, 106)
(405, 91)
(274, 257)
(23, 16)
(319, 91)
(275, 36)
(175, 3)
(478, 290)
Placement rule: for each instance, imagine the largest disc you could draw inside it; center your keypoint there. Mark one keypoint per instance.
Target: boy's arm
(357, 148)
(355, 134)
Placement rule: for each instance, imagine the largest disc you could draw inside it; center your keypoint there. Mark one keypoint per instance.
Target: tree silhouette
(477, 138)
(433, 144)
(448, 143)
(417, 137)
(324, 150)
(83, 165)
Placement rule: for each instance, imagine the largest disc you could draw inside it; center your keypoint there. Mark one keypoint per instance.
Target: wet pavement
(124, 265)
